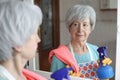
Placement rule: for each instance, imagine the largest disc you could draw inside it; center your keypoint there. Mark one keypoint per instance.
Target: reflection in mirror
(46, 34)
(105, 29)
(49, 31)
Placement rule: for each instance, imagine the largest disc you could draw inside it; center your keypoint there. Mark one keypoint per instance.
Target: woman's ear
(17, 48)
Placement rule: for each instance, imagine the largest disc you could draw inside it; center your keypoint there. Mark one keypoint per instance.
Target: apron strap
(71, 50)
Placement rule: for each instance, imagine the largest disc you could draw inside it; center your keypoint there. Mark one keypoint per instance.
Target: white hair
(18, 20)
(81, 12)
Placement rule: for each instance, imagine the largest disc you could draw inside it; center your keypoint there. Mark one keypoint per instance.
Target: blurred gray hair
(81, 12)
(18, 20)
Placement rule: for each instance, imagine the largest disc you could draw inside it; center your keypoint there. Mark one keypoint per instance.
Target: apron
(88, 69)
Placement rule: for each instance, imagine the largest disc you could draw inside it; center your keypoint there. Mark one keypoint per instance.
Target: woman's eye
(75, 24)
(85, 25)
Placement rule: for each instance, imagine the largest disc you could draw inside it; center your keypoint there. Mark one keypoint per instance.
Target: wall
(105, 30)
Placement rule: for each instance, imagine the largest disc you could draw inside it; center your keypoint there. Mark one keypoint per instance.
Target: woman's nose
(38, 38)
(80, 28)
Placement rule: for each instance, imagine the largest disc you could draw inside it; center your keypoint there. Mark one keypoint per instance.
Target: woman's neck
(79, 47)
(14, 67)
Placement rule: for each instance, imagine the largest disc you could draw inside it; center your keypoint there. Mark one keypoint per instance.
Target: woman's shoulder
(92, 46)
(2, 77)
(55, 59)
(5, 75)
(30, 75)
(94, 50)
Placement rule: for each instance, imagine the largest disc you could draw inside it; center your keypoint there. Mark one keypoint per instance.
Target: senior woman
(19, 22)
(80, 21)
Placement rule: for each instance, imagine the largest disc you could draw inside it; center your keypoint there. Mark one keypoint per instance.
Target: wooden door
(49, 31)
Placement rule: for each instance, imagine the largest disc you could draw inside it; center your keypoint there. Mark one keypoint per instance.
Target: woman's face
(30, 47)
(80, 30)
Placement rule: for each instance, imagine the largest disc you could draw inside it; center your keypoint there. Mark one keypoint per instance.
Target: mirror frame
(117, 70)
(32, 63)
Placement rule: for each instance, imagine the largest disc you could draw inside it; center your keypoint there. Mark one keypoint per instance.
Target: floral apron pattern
(88, 69)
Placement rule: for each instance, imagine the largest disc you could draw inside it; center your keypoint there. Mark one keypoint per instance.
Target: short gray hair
(18, 20)
(81, 12)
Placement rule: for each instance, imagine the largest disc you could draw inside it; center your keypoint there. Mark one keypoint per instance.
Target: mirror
(105, 29)
(104, 33)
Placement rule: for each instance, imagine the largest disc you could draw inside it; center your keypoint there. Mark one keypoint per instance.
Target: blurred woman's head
(18, 21)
